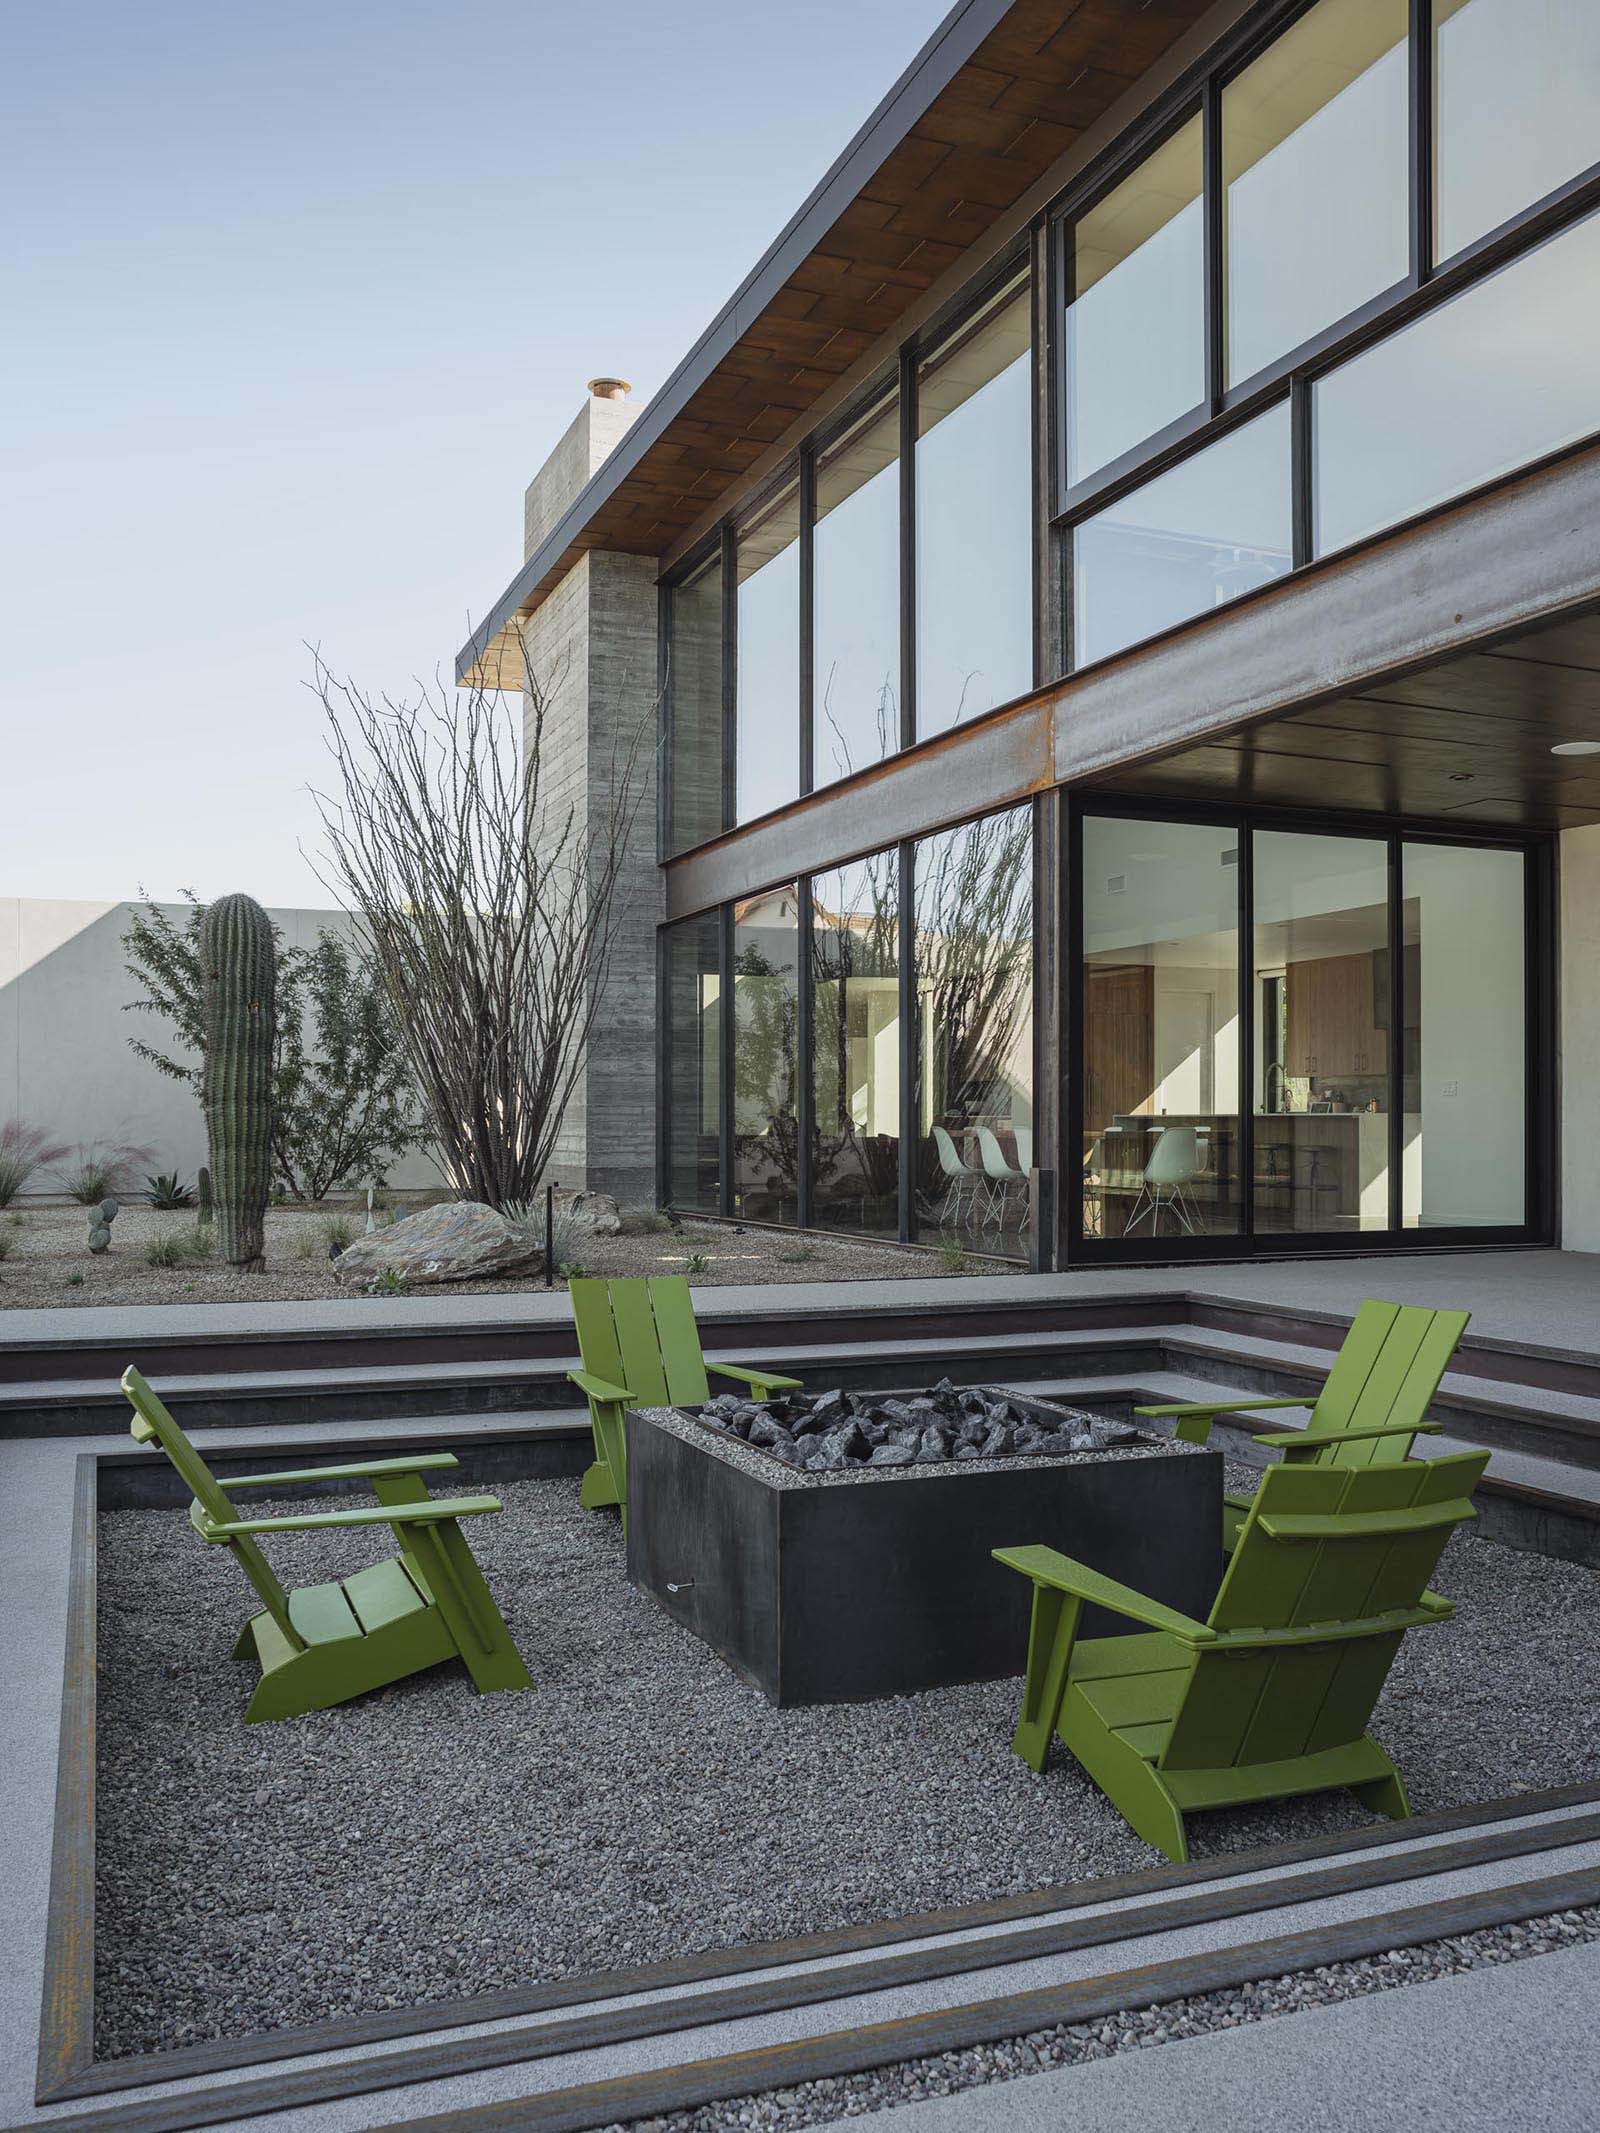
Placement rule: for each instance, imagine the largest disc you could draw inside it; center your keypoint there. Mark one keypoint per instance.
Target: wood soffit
(1047, 72)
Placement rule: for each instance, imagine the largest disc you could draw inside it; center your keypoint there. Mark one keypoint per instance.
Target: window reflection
(1516, 94)
(1321, 1078)
(1465, 1021)
(1315, 145)
(694, 682)
(1490, 380)
(1215, 526)
(974, 542)
(693, 1065)
(767, 746)
(766, 1021)
(1136, 324)
(855, 950)
(1160, 1029)
(974, 1043)
(856, 569)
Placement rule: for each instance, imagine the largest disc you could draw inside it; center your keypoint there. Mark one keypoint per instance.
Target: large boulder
(460, 1241)
(595, 1214)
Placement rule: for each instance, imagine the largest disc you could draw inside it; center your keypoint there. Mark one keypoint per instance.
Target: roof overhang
(999, 94)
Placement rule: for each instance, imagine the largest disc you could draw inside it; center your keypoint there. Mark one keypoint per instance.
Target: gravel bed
(49, 1264)
(822, 2103)
(425, 1842)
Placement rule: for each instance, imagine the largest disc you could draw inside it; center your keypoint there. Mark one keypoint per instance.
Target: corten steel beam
(992, 762)
(1522, 552)
(1474, 572)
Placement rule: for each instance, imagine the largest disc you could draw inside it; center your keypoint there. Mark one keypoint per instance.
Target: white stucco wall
(65, 1062)
(1578, 999)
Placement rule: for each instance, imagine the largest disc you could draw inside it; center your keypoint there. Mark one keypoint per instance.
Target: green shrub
(99, 1170)
(180, 1247)
(955, 1259)
(23, 1149)
(696, 1263)
(800, 1255)
(391, 1282)
(76, 1281)
(164, 1250)
(571, 1269)
(336, 1230)
(8, 1242)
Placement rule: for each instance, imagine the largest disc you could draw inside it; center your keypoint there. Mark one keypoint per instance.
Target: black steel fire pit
(849, 1557)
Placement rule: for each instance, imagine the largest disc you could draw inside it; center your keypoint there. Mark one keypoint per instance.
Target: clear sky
(297, 295)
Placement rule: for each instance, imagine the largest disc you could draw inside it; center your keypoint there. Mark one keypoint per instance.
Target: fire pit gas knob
(682, 1585)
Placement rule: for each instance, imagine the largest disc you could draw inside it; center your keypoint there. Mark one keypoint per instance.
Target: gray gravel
(426, 1843)
(822, 2103)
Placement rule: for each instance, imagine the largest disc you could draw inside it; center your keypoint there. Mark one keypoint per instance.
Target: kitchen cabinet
(1330, 1032)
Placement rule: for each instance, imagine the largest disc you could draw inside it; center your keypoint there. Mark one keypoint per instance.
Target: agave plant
(23, 1150)
(167, 1190)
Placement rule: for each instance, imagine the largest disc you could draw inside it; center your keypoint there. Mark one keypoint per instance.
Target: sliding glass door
(1293, 1035)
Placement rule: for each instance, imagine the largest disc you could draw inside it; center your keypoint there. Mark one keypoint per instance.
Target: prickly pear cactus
(238, 982)
(100, 1225)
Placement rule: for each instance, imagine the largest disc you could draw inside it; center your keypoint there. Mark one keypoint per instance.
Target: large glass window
(974, 539)
(767, 744)
(693, 1064)
(1213, 527)
(766, 1022)
(1315, 166)
(1464, 1034)
(1516, 87)
(855, 963)
(1160, 1068)
(1488, 381)
(856, 572)
(1136, 323)
(1321, 1032)
(973, 899)
(694, 686)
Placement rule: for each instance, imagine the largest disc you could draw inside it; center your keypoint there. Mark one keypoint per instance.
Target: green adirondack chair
(641, 1348)
(1270, 1696)
(1372, 1405)
(325, 1644)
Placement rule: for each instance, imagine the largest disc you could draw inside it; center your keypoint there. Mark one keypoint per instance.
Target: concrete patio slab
(1512, 2045)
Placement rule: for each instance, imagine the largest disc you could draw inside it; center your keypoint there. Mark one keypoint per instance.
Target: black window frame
(1538, 849)
(1428, 283)
(1011, 270)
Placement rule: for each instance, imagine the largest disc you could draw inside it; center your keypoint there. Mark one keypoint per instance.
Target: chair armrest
(598, 1389)
(1283, 1440)
(1047, 1566)
(424, 1463)
(436, 1512)
(1194, 1420)
(754, 1377)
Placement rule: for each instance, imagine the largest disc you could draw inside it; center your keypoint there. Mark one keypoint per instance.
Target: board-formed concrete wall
(591, 648)
(66, 1065)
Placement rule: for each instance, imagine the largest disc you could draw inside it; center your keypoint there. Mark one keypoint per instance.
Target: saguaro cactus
(238, 978)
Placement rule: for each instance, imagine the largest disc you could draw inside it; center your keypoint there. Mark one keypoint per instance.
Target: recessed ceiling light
(1576, 748)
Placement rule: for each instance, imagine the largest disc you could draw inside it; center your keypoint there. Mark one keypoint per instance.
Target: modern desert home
(1120, 588)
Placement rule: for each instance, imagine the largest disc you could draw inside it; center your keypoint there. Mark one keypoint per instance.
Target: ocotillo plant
(238, 979)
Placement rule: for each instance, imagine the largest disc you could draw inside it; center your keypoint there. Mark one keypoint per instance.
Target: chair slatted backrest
(1387, 1371)
(641, 1335)
(1349, 1550)
(153, 1422)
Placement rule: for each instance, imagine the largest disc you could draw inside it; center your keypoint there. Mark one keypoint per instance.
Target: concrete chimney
(591, 438)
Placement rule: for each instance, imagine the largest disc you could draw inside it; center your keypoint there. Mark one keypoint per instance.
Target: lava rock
(998, 1443)
(892, 1455)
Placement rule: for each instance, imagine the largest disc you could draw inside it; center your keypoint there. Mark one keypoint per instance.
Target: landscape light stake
(549, 1236)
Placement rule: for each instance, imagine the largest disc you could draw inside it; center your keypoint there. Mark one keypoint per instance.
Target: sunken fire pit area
(836, 1547)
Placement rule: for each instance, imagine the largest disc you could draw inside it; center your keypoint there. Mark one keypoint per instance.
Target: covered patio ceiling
(1467, 738)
